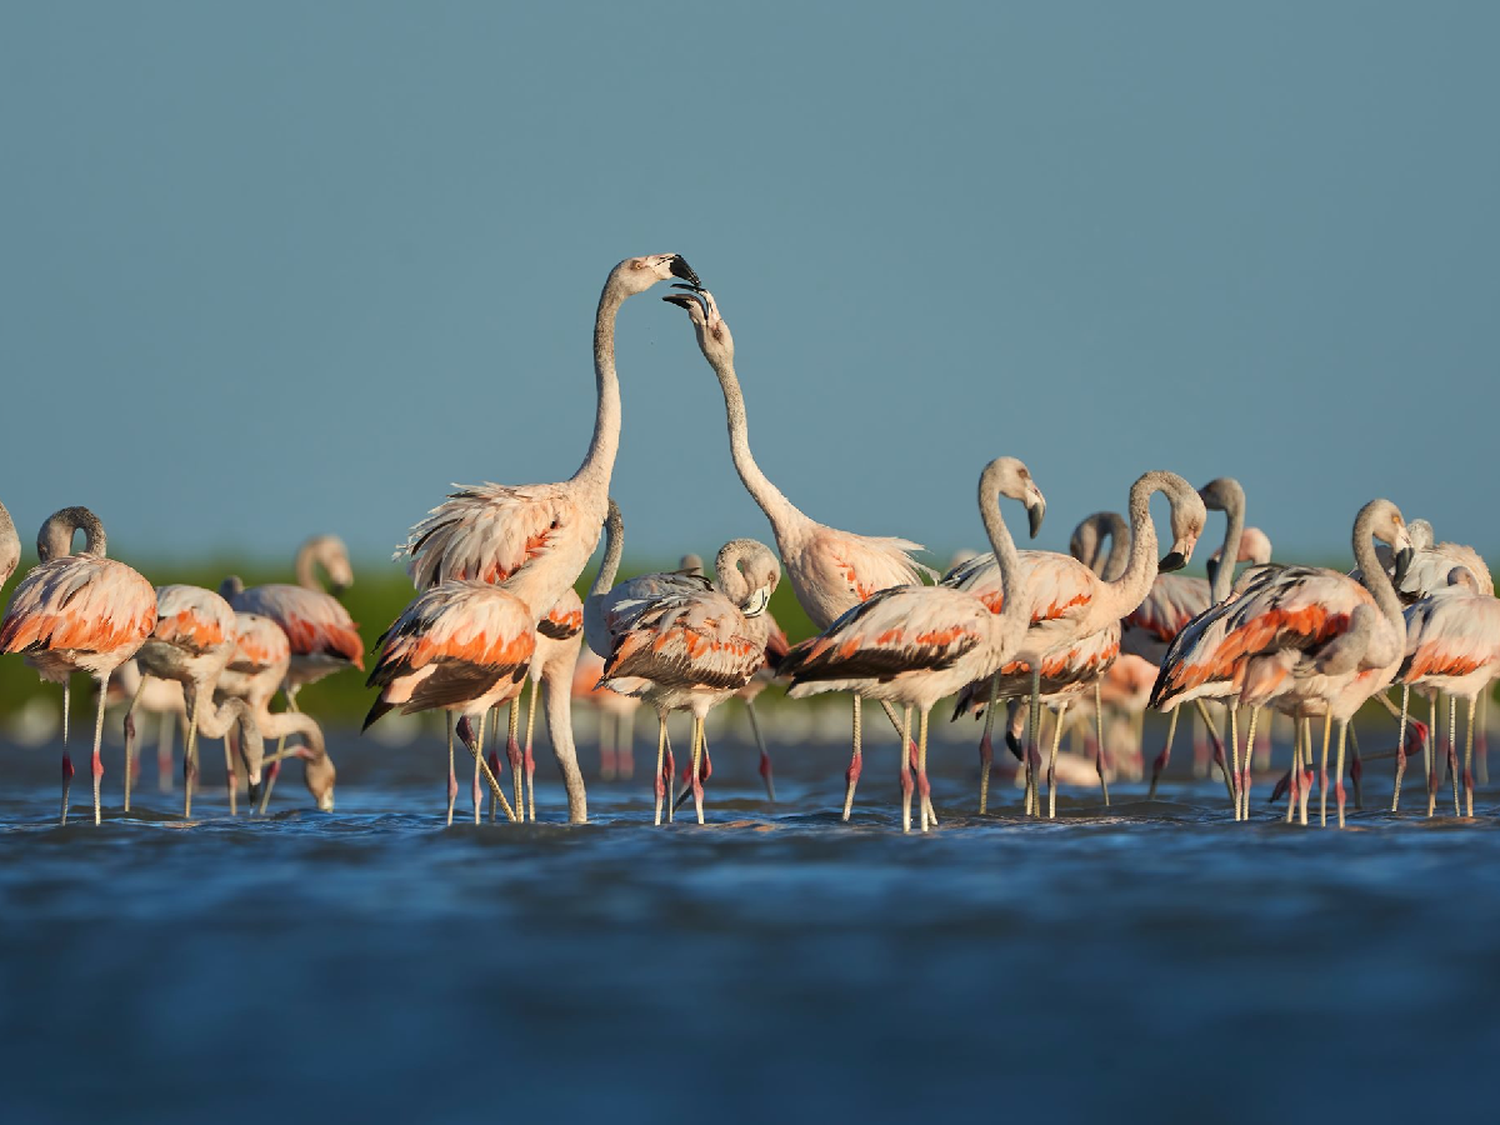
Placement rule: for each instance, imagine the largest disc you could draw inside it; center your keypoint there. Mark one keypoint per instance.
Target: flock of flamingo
(495, 568)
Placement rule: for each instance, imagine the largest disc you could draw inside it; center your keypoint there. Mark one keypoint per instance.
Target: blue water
(371, 962)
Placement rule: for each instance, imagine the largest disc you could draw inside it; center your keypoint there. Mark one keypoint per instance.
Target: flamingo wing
(564, 619)
(687, 640)
(1172, 602)
(905, 629)
(861, 565)
(1059, 587)
(258, 643)
(458, 623)
(192, 618)
(316, 623)
(488, 532)
(79, 602)
(1451, 634)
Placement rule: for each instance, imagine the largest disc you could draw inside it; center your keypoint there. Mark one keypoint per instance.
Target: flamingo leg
(230, 779)
(1338, 771)
(923, 786)
(906, 784)
(1218, 744)
(272, 772)
(67, 762)
(526, 756)
(1429, 753)
(1306, 782)
(697, 763)
(98, 763)
(497, 795)
(476, 794)
(671, 781)
(1469, 761)
(1400, 748)
(1323, 771)
(1234, 754)
(1453, 747)
(130, 735)
(1099, 741)
(1245, 778)
(513, 752)
(765, 755)
(452, 777)
(987, 747)
(1052, 762)
(1033, 737)
(911, 750)
(1166, 753)
(190, 760)
(856, 764)
(1482, 742)
(661, 748)
(164, 752)
(1296, 775)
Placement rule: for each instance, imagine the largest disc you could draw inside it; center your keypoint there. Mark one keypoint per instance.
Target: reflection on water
(372, 962)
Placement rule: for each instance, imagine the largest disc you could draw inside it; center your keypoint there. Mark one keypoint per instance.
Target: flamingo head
(1189, 514)
(1010, 477)
(329, 552)
(714, 339)
(748, 573)
(55, 540)
(1222, 495)
(1385, 523)
(318, 775)
(636, 275)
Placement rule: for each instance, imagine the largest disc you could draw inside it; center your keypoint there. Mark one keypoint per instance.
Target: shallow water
(374, 962)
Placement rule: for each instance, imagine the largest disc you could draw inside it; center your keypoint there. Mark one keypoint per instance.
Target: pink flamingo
(255, 673)
(682, 643)
(491, 532)
(913, 645)
(78, 613)
(191, 644)
(1306, 640)
(1452, 646)
(461, 646)
(1067, 602)
(831, 571)
(776, 648)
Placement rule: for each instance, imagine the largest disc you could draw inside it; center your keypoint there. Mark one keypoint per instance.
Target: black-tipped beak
(253, 789)
(680, 268)
(1175, 561)
(1034, 516)
(1013, 744)
(1213, 570)
(680, 300)
(1403, 563)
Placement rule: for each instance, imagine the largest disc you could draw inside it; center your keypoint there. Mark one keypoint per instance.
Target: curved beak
(1034, 513)
(1174, 561)
(757, 603)
(253, 789)
(1213, 570)
(1403, 563)
(680, 268)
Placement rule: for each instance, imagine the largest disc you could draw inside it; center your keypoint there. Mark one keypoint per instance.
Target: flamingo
(776, 648)
(682, 643)
(913, 645)
(255, 673)
(559, 637)
(1067, 602)
(78, 613)
(10, 546)
(831, 571)
(1306, 640)
(191, 644)
(1452, 646)
(491, 532)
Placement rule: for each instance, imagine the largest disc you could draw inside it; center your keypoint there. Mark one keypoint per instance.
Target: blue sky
(280, 268)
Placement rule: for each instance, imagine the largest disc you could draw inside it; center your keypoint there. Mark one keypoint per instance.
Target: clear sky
(277, 268)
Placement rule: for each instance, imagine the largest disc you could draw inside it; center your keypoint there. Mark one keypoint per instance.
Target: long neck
(1131, 587)
(1015, 614)
(1119, 548)
(1234, 529)
(307, 577)
(600, 461)
(783, 514)
(56, 537)
(614, 547)
(10, 545)
(1373, 575)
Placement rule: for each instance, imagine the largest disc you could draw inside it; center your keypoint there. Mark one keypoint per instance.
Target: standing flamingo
(1306, 640)
(78, 613)
(491, 532)
(192, 643)
(831, 571)
(1452, 646)
(1067, 602)
(914, 645)
(255, 673)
